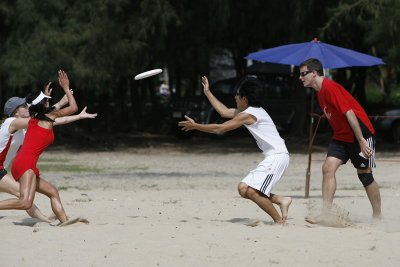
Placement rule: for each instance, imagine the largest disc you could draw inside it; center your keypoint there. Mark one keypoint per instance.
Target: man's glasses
(304, 73)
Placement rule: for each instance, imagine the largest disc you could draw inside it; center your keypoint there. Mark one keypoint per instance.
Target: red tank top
(37, 139)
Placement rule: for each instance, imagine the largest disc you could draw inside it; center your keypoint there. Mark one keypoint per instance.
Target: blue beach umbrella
(331, 57)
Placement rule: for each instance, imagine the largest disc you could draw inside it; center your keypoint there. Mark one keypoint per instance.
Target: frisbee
(148, 74)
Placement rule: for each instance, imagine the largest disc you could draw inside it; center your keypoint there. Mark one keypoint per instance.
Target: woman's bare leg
(27, 189)
(9, 185)
(49, 190)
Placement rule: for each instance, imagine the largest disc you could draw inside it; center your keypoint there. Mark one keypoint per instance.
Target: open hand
(63, 79)
(47, 89)
(188, 124)
(206, 85)
(85, 115)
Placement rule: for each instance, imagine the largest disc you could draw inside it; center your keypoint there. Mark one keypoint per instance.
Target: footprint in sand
(245, 221)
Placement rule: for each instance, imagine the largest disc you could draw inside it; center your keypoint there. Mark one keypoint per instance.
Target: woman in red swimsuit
(38, 137)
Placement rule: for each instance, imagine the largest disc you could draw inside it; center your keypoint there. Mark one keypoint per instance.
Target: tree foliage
(102, 44)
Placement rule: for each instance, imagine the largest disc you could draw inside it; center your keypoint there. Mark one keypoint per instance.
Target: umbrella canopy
(331, 57)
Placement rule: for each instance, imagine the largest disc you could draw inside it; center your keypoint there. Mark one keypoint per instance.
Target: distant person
(353, 137)
(164, 93)
(257, 185)
(38, 136)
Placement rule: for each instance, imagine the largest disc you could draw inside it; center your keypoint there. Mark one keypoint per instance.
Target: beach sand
(178, 206)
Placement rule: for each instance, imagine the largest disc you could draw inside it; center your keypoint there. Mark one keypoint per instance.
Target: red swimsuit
(37, 139)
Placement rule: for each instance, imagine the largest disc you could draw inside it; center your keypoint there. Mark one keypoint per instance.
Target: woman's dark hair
(39, 110)
(252, 89)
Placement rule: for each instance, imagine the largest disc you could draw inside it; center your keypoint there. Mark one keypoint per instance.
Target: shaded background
(103, 44)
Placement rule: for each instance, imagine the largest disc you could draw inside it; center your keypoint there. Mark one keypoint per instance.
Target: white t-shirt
(265, 132)
(16, 141)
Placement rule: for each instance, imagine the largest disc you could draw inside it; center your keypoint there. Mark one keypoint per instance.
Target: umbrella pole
(310, 141)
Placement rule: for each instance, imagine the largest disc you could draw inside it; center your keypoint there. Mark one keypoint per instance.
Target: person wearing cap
(12, 134)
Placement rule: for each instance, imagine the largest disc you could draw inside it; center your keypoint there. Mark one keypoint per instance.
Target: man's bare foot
(284, 205)
(323, 219)
(312, 220)
(335, 217)
(377, 217)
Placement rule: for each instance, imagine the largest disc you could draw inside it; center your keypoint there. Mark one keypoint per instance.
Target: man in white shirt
(257, 185)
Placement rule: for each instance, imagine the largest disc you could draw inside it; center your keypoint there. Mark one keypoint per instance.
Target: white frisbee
(147, 74)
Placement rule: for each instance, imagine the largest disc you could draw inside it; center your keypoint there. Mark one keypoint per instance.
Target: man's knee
(366, 178)
(327, 169)
(331, 164)
(242, 189)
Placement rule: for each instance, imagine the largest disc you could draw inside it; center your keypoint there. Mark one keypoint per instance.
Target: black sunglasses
(304, 73)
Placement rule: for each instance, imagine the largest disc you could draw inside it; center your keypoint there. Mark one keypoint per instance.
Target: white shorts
(268, 173)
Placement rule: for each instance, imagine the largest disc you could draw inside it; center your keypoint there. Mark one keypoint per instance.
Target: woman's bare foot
(52, 217)
(282, 222)
(72, 221)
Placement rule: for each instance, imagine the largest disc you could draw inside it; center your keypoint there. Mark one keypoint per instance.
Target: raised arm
(72, 107)
(69, 119)
(222, 110)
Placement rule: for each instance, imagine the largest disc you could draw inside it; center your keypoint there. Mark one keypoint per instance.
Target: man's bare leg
(261, 200)
(283, 203)
(374, 197)
(373, 194)
(329, 169)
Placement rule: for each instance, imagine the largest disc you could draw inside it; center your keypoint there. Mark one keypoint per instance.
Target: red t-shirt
(335, 101)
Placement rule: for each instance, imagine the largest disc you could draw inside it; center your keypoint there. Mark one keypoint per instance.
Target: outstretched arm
(18, 124)
(243, 118)
(222, 110)
(80, 116)
(355, 126)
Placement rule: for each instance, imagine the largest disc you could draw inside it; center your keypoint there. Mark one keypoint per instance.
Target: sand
(178, 206)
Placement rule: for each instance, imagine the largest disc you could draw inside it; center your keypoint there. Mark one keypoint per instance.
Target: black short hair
(251, 88)
(313, 64)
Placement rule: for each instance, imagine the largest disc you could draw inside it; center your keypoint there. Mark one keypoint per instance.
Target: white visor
(40, 98)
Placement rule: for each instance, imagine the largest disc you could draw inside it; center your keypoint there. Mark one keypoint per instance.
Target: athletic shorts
(345, 151)
(3, 173)
(268, 173)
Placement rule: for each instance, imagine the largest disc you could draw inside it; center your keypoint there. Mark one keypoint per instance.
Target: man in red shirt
(353, 136)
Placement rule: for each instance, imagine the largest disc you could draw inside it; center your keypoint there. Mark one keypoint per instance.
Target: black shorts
(3, 173)
(345, 151)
